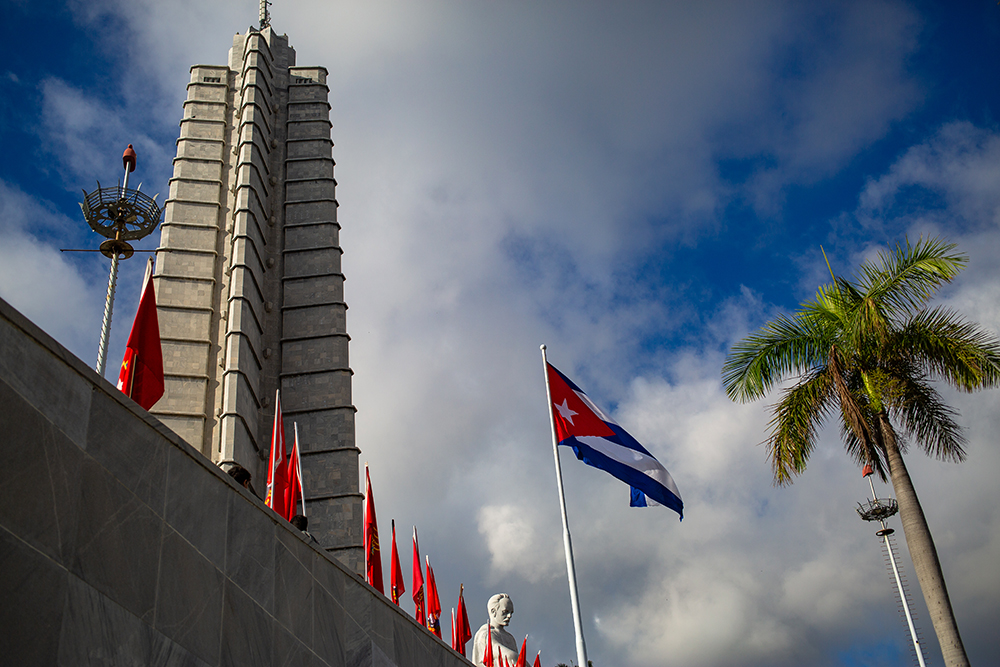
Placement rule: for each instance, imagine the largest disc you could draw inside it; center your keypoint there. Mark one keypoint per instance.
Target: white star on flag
(565, 412)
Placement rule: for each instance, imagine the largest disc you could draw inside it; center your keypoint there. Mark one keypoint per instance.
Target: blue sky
(636, 186)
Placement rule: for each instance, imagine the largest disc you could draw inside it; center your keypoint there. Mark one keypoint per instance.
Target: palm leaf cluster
(867, 347)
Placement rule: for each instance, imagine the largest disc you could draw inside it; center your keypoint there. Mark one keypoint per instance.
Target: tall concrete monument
(249, 282)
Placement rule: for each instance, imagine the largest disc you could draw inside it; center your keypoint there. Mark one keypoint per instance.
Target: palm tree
(869, 348)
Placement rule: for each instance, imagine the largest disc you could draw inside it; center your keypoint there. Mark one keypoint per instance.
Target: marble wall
(120, 544)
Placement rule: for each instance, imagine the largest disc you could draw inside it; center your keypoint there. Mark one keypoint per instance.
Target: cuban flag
(599, 442)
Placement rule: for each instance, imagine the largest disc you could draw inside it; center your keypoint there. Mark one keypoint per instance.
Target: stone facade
(120, 544)
(249, 284)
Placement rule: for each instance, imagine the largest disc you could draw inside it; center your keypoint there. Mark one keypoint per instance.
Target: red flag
(373, 554)
(538, 659)
(396, 588)
(418, 584)
(277, 477)
(522, 656)
(462, 629)
(488, 653)
(293, 492)
(433, 602)
(141, 374)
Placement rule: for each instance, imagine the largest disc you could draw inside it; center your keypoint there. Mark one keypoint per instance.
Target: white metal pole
(109, 305)
(581, 646)
(899, 583)
(298, 467)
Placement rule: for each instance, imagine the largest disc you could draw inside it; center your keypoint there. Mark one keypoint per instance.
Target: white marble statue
(501, 609)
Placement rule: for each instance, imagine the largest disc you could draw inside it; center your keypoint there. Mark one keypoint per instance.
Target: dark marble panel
(39, 478)
(329, 576)
(117, 542)
(196, 505)
(250, 551)
(32, 591)
(407, 646)
(189, 598)
(382, 624)
(247, 633)
(41, 376)
(290, 652)
(328, 624)
(380, 659)
(296, 543)
(293, 591)
(97, 631)
(129, 448)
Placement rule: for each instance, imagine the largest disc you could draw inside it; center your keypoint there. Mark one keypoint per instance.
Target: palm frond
(949, 347)
(755, 364)
(797, 417)
(904, 279)
(926, 418)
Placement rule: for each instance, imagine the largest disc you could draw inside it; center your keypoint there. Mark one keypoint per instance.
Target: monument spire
(265, 15)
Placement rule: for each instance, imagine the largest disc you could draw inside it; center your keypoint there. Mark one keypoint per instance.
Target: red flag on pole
(277, 478)
(294, 493)
(433, 602)
(373, 553)
(522, 656)
(538, 659)
(462, 629)
(396, 588)
(417, 592)
(488, 653)
(141, 374)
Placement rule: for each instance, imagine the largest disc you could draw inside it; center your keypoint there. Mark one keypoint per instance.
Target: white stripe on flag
(633, 459)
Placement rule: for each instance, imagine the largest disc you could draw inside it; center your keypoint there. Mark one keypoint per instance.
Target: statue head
(501, 609)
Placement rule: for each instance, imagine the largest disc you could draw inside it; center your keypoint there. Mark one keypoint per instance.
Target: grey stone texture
(249, 283)
(120, 544)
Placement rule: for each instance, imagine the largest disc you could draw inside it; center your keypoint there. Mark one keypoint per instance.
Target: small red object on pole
(867, 470)
(128, 158)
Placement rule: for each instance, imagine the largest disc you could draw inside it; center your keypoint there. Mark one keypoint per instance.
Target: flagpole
(581, 646)
(298, 468)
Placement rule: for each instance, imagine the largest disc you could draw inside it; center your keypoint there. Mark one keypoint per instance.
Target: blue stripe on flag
(630, 476)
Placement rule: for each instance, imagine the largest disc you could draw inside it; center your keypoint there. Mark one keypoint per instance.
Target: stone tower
(248, 280)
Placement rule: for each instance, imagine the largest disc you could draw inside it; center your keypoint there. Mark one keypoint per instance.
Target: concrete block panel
(316, 391)
(318, 110)
(184, 236)
(241, 356)
(198, 169)
(245, 294)
(189, 429)
(246, 256)
(314, 320)
(209, 91)
(338, 520)
(313, 354)
(327, 429)
(312, 262)
(190, 190)
(327, 473)
(197, 128)
(314, 74)
(197, 149)
(192, 213)
(185, 264)
(181, 393)
(316, 168)
(184, 323)
(205, 110)
(200, 72)
(311, 236)
(309, 148)
(308, 190)
(308, 291)
(254, 114)
(186, 357)
(314, 129)
(314, 211)
(184, 293)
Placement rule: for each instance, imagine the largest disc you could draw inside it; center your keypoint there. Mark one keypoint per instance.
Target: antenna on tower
(265, 16)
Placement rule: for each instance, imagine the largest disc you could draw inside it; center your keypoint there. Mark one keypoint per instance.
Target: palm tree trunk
(922, 552)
